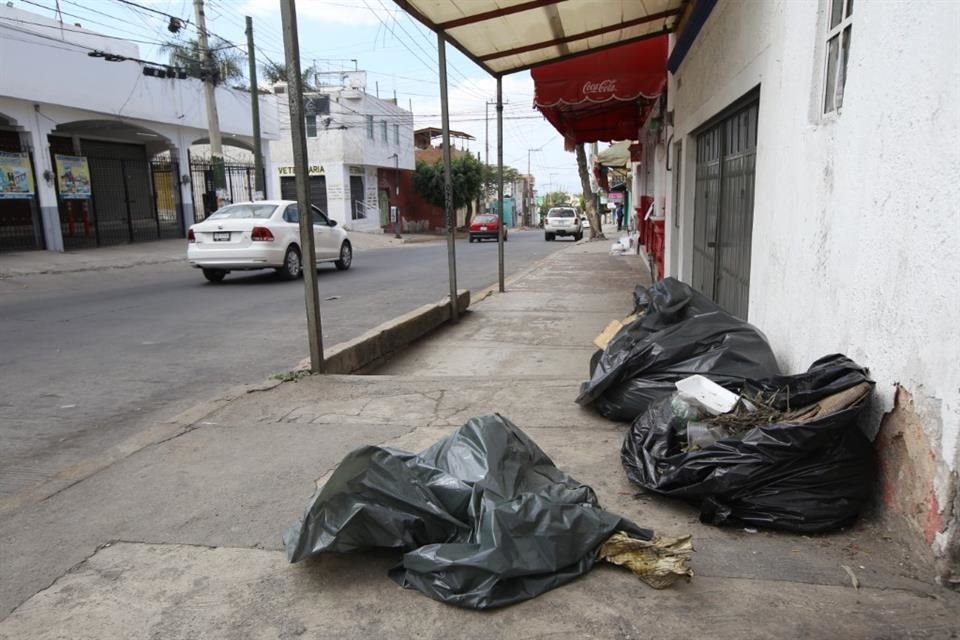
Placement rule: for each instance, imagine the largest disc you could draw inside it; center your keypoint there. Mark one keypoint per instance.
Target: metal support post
(500, 180)
(448, 180)
(291, 45)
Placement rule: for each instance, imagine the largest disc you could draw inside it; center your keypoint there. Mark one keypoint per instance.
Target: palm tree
(226, 59)
(274, 72)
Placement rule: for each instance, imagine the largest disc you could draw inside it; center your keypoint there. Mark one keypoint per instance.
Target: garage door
(318, 190)
(723, 208)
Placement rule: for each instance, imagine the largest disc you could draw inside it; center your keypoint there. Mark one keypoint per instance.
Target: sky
(397, 53)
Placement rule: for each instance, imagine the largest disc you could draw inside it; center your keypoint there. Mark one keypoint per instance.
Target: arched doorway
(126, 185)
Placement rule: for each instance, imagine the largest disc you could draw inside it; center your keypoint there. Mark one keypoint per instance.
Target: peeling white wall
(856, 236)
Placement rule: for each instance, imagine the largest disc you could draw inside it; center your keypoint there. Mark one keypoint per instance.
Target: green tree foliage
(467, 177)
(553, 199)
(274, 72)
(227, 60)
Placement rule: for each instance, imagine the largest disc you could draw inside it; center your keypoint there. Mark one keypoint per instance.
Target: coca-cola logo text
(604, 86)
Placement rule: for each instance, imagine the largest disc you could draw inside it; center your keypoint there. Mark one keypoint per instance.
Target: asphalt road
(87, 359)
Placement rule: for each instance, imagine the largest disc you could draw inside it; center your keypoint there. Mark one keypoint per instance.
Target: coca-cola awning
(605, 95)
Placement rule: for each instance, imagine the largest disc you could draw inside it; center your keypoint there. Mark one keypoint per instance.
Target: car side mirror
(332, 223)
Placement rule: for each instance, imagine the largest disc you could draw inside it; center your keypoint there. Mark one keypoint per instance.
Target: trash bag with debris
(484, 517)
(680, 332)
(795, 460)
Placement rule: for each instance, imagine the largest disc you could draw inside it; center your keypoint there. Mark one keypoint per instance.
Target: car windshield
(486, 219)
(561, 213)
(236, 211)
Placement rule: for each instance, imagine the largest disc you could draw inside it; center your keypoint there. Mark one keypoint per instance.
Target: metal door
(318, 190)
(723, 209)
(384, 202)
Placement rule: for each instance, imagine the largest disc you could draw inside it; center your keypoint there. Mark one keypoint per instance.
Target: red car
(485, 226)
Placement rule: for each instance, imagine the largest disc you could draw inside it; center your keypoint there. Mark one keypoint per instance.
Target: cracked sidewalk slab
(133, 590)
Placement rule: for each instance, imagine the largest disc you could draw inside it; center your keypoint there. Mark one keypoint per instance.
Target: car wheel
(215, 276)
(346, 257)
(472, 239)
(505, 236)
(546, 237)
(292, 265)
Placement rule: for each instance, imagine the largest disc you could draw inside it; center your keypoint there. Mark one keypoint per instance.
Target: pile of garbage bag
(790, 454)
(484, 518)
(678, 332)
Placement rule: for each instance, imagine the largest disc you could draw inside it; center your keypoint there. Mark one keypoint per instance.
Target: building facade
(354, 141)
(99, 141)
(809, 183)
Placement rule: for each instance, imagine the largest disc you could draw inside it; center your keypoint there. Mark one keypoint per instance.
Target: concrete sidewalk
(29, 263)
(194, 520)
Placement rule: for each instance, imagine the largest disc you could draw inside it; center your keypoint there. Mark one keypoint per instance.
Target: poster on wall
(16, 175)
(73, 177)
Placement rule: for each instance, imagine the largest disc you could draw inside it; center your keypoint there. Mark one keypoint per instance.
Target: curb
(85, 268)
(372, 348)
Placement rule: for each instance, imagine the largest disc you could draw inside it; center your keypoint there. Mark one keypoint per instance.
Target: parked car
(263, 235)
(585, 221)
(562, 221)
(485, 226)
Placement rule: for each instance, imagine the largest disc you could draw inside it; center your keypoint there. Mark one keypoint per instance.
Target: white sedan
(263, 235)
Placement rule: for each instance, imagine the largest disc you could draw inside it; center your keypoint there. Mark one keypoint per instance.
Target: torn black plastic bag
(485, 517)
(681, 333)
(811, 472)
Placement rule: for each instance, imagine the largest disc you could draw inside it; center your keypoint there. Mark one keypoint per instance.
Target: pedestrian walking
(618, 214)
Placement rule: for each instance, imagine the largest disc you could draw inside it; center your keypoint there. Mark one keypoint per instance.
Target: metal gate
(241, 182)
(318, 190)
(166, 198)
(723, 208)
(21, 226)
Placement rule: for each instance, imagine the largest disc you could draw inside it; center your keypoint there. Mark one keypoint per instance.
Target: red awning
(605, 95)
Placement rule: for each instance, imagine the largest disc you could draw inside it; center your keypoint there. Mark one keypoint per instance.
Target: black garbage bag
(484, 517)
(681, 333)
(811, 470)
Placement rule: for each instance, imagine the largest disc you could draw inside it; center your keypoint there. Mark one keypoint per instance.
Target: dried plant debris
(659, 562)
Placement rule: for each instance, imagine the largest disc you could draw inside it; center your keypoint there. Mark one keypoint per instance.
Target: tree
(552, 199)
(466, 174)
(596, 231)
(274, 72)
(226, 59)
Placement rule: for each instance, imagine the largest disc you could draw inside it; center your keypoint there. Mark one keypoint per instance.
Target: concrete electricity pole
(209, 96)
(291, 45)
(255, 110)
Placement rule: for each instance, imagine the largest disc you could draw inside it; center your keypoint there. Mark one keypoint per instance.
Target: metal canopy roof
(504, 36)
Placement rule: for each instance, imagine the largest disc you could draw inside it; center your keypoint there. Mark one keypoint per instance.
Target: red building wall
(417, 214)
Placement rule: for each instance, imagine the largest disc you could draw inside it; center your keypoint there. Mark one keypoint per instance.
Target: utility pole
(291, 46)
(210, 97)
(255, 110)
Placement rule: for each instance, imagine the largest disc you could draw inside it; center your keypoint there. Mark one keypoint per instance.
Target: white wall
(345, 143)
(61, 73)
(856, 237)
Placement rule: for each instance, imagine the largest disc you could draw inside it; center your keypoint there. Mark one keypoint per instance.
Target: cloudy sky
(396, 52)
